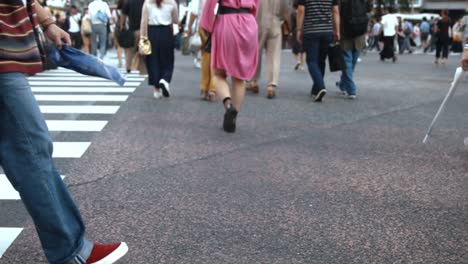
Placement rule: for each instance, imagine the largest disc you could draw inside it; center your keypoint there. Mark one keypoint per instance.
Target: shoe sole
(229, 124)
(115, 255)
(320, 96)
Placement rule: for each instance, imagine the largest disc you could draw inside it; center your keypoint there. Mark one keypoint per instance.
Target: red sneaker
(107, 254)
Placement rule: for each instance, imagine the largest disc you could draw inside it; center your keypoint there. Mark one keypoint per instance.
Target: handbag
(335, 58)
(144, 44)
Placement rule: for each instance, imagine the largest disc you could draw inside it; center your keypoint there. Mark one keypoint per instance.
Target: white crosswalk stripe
(56, 91)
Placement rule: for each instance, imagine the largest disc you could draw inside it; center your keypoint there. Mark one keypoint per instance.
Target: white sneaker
(166, 90)
(157, 94)
(352, 97)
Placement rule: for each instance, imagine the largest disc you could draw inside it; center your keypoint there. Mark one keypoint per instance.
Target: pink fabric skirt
(235, 45)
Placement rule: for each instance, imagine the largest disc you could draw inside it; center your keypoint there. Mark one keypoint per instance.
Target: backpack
(101, 16)
(355, 19)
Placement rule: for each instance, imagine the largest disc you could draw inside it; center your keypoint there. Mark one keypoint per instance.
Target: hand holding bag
(144, 44)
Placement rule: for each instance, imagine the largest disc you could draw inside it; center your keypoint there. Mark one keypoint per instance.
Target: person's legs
(325, 41)
(311, 47)
(273, 58)
(152, 61)
(26, 157)
(165, 53)
(262, 44)
(445, 49)
(94, 40)
(238, 92)
(438, 51)
(102, 41)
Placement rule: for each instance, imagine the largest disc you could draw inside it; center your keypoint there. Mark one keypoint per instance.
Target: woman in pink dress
(233, 52)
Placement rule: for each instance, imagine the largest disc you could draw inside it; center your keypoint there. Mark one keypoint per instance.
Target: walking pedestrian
(73, 27)
(100, 14)
(297, 50)
(86, 31)
(233, 53)
(443, 32)
(407, 32)
(270, 18)
(318, 24)
(390, 27)
(156, 24)
(353, 40)
(425, 33)
(115, 23)
(376, 35)
(207, 87)
(26, 146)
(132, 11)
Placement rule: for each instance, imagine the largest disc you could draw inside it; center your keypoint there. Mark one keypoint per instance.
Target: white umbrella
(459, 76)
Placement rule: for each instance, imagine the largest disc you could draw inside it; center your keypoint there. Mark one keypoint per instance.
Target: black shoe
(320, 95)
(229, 124)
(129, 71)
(297, 66)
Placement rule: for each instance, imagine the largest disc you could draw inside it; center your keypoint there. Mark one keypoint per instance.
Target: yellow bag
(144, 46)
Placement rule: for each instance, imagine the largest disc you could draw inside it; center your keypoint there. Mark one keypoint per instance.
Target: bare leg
(238, 93)
(221, 84)
(303, 58)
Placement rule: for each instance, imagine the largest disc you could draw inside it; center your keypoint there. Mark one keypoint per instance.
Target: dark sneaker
(229, 124)
(107, 254)
(320, 95)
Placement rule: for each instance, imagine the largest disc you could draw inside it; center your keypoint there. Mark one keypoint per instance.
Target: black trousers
(388, 51)
(442, 46)
(77, 42)
(160, 63)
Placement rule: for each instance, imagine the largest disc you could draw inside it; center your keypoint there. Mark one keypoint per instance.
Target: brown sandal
(271, 93)
(253, 88)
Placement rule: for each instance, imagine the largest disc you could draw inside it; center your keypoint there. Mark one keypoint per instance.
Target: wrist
(46, 23)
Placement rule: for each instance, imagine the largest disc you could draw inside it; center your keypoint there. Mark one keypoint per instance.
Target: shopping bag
(86, 64)
(335, 58)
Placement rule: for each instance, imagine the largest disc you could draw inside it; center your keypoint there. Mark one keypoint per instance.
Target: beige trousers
(270, 39)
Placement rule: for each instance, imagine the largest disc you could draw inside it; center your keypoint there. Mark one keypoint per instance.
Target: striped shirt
(19, 51)
(318, 15)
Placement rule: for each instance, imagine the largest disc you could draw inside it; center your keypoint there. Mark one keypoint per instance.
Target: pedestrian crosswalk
(71, 103)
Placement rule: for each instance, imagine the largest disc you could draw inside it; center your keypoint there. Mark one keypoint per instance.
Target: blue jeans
(316, 47)
(26, 158)
(99, 31)
(347, 82)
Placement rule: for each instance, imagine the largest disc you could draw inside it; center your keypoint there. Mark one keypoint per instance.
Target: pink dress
(234, 40)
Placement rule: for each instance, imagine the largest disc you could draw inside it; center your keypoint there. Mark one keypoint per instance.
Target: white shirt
(390, 22)
(74, 25)
(96, 6)
(166, 15)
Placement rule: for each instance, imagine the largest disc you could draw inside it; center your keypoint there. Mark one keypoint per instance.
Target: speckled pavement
(300, 182)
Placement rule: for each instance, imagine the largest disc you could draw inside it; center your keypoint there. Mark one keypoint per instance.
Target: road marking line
(81, 90)
(82, 98)
(79, 109)
(7, 236)
(76, 125)
(70, 150)
(82, 84)
(7, 192)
